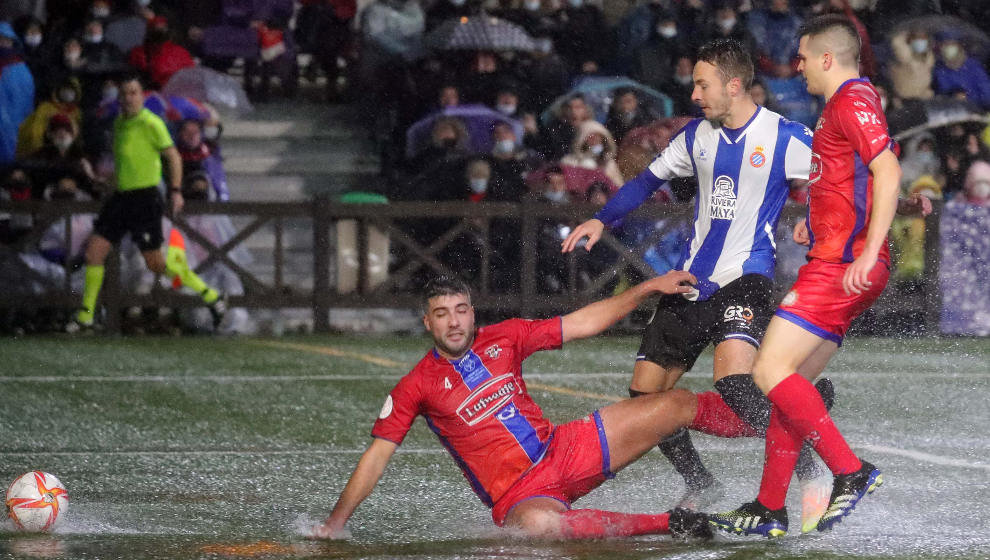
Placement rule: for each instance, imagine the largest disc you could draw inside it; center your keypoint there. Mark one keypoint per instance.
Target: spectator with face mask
(36, 47)
(680, 85)
(510, 159)
(726, 23)
(61, 156)
(976, 188)
(910, 70)
(956, 70)
(594, 148)
(103, 58)
(560, 132)
(653, 62)
(64, 101)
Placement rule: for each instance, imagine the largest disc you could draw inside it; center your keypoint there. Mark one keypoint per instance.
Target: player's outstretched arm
(886, 184)
(596, 317)
(363, 480)
(630, 196)
(592, 229)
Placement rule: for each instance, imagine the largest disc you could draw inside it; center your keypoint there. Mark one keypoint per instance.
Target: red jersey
(478, 405)
(850, 133)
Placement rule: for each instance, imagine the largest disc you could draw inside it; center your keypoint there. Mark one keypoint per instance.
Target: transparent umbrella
(203, 84)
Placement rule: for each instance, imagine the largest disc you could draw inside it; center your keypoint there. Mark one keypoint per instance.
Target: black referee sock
(680, 451)
(745, 398)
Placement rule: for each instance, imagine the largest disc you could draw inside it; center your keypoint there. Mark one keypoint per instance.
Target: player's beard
(460, 349)
(720, 110)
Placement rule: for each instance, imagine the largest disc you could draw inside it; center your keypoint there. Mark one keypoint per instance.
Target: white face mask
(110, 92)
(72, 56)
(94, 38)
(919, 45)
(66, 96)
(555, 197)
(457, 3)
(62, 142)
(926, 159)
(727, 24)
(33, 40)
(506, 108)
(532, 5)
(144, 3)
(683, 80)
(505, 147)
(101, 12)
(211, 132)
(575, 3)
(950, 51)
(596, 149)
(478, 185)
(667, 31)
(980, 191)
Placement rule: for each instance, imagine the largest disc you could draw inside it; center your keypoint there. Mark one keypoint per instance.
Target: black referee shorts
(138, 212)
(681, 329)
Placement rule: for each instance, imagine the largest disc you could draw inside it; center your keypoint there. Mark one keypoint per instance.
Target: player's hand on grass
(177, 202)
(329, 532)
(800, 234)
(915, 205)
(856, 280)
(592, 229)
(674, 282)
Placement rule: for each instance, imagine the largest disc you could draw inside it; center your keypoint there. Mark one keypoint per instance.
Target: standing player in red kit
(853, 196)
(470, 389)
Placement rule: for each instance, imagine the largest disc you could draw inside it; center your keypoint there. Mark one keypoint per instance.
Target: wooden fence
(499, 239)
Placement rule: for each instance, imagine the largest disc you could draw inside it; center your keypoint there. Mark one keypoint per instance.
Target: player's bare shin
(363, 480)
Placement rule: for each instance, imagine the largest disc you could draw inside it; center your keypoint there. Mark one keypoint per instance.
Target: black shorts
(681, 329)
(138, 212)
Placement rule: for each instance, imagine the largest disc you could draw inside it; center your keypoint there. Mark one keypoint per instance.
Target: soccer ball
(36, 501)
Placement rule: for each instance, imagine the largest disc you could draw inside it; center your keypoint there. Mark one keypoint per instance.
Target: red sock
(715, 418)
(596, 524)
(782, 450)
(806, 417)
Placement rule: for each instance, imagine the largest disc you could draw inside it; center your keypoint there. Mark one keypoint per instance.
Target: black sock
(746, 399)
(680, 451)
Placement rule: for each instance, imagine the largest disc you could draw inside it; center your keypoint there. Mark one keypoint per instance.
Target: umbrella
(209, 86)
(944, 112)
(577, 179)
(479, 33)
(975, 40)
(478, 119)
(599, 91)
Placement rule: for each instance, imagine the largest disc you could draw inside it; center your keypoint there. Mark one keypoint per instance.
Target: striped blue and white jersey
(743, 182)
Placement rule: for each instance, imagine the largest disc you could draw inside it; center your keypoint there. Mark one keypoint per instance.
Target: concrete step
(257, 187)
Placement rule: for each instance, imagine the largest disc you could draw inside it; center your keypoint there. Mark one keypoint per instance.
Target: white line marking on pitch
(926, 457)
(908, 453)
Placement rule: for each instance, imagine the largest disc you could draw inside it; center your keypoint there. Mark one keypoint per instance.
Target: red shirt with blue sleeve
(478, 405)
(851, 132)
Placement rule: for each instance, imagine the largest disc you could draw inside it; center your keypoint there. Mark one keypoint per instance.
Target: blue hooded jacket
(16, 94)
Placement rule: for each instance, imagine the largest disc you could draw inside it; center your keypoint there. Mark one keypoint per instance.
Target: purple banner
(964, 269)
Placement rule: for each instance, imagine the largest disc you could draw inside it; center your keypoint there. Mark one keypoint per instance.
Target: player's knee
(678, 404)
(536, 522)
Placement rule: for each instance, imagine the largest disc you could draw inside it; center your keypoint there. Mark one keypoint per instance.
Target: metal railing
(496, 233)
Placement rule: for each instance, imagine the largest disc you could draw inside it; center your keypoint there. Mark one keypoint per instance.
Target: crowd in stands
(576, 105)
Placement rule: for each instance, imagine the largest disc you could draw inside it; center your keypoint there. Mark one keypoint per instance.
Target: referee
(140, 141)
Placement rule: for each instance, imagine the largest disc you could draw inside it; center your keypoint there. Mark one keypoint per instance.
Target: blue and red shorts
(818, 303)
(576, 462)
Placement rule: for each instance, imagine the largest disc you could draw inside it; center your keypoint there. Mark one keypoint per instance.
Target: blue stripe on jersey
(475, 483)
(762, 258)
(473, 371)
(603, 443)
(861, 180)
(728, 161)
(689, 130)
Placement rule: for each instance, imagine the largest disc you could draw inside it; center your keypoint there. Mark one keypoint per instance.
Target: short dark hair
(829, 23)
(133, 76)
(443, 286)
(730, 58)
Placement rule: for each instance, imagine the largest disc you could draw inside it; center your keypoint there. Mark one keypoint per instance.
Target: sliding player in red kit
(853, 197)
(470, 389)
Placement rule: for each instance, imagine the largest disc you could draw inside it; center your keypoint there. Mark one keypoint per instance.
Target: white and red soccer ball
(36, 501)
